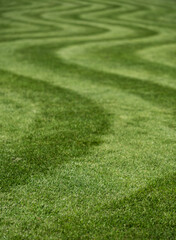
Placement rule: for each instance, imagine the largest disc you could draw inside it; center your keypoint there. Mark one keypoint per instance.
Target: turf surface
(88, 130)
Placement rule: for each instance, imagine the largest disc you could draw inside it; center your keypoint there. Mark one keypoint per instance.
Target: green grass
(88, 110)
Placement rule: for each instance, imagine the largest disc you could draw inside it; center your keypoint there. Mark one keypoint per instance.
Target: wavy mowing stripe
(61, 20)
(46, 55)
(79, 29)
(44, 139)
(88, 151)
(163, 54)
(113, 66)
(132, 59)
(20, 16)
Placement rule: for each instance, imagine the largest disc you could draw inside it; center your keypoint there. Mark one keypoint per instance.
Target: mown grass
(88, 136)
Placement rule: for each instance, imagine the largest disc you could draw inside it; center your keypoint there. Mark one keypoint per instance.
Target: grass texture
(88, 110)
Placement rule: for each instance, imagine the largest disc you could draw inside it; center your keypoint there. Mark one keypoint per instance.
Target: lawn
(88, 119)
